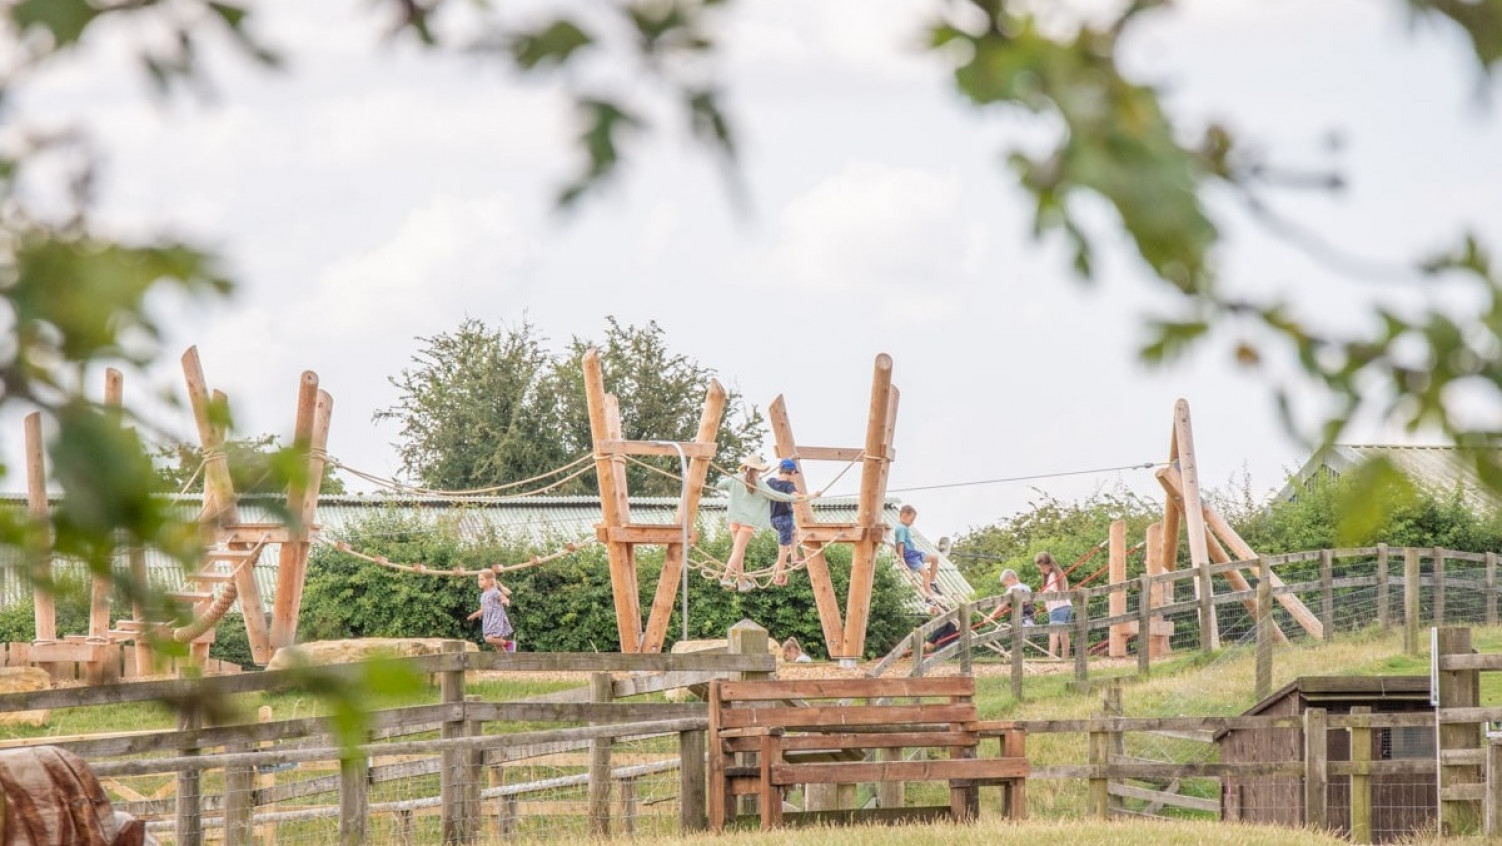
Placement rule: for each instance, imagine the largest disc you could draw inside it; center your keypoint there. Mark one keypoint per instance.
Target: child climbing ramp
(924, 564)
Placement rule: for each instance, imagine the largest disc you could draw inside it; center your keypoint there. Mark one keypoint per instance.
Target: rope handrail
(430, 570)
(396, 485)
(222, 602)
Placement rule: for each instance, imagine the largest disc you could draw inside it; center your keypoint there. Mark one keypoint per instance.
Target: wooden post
(1439, 586)
(1157, 645)
(239, 800)
(1098, 795)
(1238, 582)
(457, 825)
(1411, 587)
(1081, 639)
(266, 832)
(915, 648)
(1383, 618)
(1316, 771)
(219, 485)
(1144, 625)
(189, 825)
(626, 805)
(41, 531)
(747, 638)
(509, 815)
(1361, 779)
(283, 621)
(1493, 825)
(1116, 743)
(831, 619)
(693, 812)
(1327, 592)
(868, 513)
(963, 615)
(1019, 643)
(1265, 623)
(600, 690)
(1456, 689)
(100, 586)
(614, 508)
(673, 557)
(1116, 642)
(890, 794)
(354, 801)
(1491, 590)
(1194, 525)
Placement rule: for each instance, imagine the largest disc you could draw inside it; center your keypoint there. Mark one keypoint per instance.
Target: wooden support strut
(217, 483)
(1242, 551)
(41, 530)
(1194, 522)
(879, 427)
(283, 621)
(830, 617)
(613, 507)
(702, 450)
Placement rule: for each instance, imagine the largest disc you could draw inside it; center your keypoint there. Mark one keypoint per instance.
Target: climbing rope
(430, 570)
(401, 487)
(222, 601)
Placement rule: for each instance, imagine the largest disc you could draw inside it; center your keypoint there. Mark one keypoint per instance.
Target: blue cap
(787, 465)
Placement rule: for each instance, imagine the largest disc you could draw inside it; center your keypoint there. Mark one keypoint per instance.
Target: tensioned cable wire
(1146, 465)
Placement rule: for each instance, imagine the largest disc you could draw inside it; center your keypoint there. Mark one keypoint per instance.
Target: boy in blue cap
(782, 517)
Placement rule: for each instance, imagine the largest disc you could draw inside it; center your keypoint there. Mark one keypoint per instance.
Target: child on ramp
(495, 624)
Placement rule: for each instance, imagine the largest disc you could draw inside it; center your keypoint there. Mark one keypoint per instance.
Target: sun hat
(787, 465)
(755, 462)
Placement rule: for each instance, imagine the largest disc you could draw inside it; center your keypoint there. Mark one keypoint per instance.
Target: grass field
(1187, 685)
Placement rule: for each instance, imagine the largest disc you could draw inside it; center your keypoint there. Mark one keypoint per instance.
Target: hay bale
(22, 680)
(324, 652)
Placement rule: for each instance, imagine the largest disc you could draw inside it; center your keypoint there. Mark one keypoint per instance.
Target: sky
(372, 194)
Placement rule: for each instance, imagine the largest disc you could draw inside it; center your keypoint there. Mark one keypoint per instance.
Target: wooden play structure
(1211, 540)
(846, 638)
(811, 732)
(618, 533)
(231, 547)
(844, 632)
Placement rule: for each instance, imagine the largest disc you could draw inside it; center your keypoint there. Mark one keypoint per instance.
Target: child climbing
(792, 652)
(496, 625)
(1016, 591)
(915, 559)
(751, 506)
(782, 517)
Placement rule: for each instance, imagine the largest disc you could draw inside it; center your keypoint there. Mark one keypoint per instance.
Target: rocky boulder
(323, 652)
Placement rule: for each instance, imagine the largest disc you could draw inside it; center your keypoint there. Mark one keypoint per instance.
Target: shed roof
(1437, 470)
(1349, 689)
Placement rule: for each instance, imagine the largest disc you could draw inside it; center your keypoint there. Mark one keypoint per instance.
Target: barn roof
(1437, 470)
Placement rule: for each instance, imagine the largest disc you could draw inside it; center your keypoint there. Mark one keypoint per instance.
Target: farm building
(545, 520)
(1440, 471)
(1401, 803)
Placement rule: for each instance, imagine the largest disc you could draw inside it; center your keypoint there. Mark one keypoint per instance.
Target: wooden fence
(1398, 586)
(462, 757)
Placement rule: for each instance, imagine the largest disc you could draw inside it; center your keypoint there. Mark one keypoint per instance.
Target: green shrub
(565, 605)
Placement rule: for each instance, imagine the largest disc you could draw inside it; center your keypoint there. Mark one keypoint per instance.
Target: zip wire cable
(1147, 465)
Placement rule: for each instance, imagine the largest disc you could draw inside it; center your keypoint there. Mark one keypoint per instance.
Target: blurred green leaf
(553, 45)
(64, 19)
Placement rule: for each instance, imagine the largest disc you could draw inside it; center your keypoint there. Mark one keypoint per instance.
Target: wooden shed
(1401, 804)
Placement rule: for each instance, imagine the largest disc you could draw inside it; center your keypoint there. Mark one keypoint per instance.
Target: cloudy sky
(373, 194)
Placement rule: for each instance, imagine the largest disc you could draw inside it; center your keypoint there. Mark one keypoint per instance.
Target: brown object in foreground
(826, 744)
(52, 797)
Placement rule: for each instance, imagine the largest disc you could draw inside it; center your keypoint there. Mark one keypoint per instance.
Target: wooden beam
(703, 450)
(830, 616)
(868, 513)
(1171, 511)
(1238, 582)
(41, 527)
(627, 617)
(690, 448)
(1158, 645)
(283, 620)
(217, 481)
(1194, 520)
(1116, 640)
(808, 453)
(99, 594)
(1243, 551)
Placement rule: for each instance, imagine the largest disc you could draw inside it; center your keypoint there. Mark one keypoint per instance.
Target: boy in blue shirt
(916, 560)
(782, 517)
